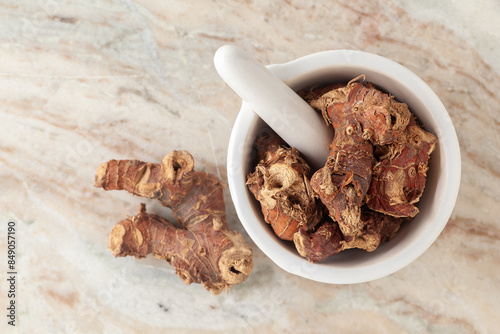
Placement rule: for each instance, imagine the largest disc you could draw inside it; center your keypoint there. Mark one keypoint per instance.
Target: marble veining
(82, 82)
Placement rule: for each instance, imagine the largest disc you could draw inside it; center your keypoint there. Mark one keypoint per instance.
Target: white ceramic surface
(435, 206)
(292, 118)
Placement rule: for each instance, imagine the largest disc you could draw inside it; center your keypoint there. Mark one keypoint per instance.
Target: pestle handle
(292, 118)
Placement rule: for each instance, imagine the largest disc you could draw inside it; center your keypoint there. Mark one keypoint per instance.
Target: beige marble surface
(82, 82)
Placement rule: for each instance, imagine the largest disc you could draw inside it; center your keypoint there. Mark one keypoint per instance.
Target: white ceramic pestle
(297, 123)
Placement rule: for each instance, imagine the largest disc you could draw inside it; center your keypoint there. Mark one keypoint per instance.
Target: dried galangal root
(361, 116)
(381, 118)
(373, 177)
(202, 249)
(280, 183)
(328, 240)
(399, 175)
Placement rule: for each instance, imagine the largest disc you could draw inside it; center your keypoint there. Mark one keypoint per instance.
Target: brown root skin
(344, 180)
(168, 182)
(400, 174)
(361, 116)
(328, 100)
(327, 239)
(203, 250)
(380, 115)
(378, 229)
(319, 245)
(280, 183)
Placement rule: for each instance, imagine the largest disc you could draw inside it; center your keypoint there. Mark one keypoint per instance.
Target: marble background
(82, 82)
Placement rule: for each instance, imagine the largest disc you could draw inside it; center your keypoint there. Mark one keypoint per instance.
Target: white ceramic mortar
(436, 205)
